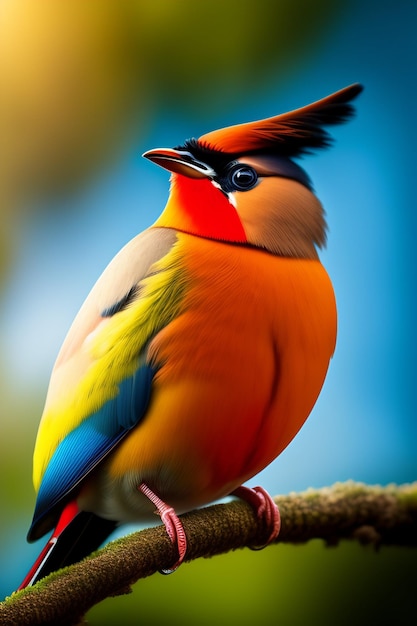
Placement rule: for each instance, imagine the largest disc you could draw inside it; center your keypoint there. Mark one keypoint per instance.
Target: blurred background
(85, 87)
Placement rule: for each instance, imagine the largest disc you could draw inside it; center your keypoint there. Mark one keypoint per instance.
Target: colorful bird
(201, 350)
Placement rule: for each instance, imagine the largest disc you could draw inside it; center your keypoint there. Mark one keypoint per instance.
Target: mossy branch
(369, 514)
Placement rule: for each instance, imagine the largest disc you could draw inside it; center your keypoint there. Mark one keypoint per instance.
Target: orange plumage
(244, 362)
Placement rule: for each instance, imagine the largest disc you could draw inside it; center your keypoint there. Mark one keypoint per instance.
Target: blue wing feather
(87, 445)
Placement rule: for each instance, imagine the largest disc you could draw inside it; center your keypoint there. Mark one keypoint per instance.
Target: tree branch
(376, 515)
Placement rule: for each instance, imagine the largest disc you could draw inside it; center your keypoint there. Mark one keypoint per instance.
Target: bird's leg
(265, 508)
(171, 522)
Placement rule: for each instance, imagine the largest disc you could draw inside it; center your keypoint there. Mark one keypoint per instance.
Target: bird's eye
(242, 177)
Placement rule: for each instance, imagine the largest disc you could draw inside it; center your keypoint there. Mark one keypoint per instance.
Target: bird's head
(239, 184)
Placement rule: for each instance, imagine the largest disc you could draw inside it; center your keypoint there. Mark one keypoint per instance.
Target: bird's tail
(76, 535)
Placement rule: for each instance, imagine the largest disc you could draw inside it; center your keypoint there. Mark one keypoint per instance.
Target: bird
(202, 348)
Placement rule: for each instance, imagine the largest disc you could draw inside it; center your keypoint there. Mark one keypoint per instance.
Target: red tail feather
(76, 535)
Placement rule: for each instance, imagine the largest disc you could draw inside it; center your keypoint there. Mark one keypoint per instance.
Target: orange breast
(241, 369)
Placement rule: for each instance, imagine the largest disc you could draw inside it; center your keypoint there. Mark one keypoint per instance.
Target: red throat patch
(199, 208)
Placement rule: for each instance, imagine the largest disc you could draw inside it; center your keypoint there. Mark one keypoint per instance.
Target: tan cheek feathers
(282, 216)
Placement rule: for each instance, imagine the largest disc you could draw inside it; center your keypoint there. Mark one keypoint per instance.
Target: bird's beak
(180, 161)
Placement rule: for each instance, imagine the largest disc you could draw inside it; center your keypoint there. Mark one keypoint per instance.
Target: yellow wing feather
(109, 355)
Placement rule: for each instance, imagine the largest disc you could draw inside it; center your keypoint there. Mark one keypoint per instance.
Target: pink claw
(172, 525)
(265, 508)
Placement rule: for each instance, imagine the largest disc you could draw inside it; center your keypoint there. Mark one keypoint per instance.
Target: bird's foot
(265, 508)
(172, 525)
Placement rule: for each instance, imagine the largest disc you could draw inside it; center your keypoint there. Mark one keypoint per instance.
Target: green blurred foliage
(288, 585)
(18, 434)
(211, 54)
(80, 79)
